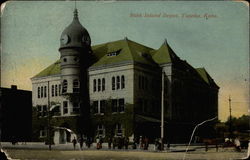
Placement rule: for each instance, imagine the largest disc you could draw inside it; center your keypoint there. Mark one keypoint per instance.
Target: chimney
(14, 87)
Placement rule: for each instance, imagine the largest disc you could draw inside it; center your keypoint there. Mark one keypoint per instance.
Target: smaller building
(15, 114)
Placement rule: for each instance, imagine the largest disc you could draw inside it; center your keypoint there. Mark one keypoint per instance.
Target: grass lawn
(30, 154)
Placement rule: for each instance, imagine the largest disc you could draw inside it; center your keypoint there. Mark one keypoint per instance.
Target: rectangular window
(52, 91)
(123, 82)
(55, 90)
(100, 130)
(121, 105)
(95, 107)
(113, 83)
(43, 133)
(118, 129)
(65, 107)
(76, 108)
(45, 91)
(117, 82)
(59, 90)
(41, 92)
(76, 86)
(94, 85)
(38, 92)
(99, 85)
(142, 82)
(102, 106)
(114, 105)
(139, 82)
(103, 84)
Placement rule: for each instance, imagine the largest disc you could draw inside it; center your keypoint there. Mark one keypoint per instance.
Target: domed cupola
(75, 35)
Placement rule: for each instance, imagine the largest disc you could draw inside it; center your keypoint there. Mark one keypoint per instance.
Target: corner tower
(75, 51)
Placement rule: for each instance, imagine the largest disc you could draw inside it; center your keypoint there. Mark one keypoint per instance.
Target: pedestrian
(114, 142)
(145, 143)
(156, 144)
(74, 142)
(109, 142)
(101, 141)
(141, 142)
(81, 142)
(126, 141)
(97, 143)
(134, 144)
(237, 144)
(168, 146)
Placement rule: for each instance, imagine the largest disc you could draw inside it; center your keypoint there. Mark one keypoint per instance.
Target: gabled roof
(206, 77)
(128, 51)
(164, 54)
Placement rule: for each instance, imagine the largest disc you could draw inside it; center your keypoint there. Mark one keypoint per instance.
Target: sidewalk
(69, 146)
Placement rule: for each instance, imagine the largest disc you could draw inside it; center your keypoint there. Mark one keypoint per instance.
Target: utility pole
(48, 110)
(162, 111)
(230, 118)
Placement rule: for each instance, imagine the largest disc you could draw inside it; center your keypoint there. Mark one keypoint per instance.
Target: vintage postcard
(124, 80)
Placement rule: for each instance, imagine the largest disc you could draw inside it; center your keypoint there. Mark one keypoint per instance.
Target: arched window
(123, 82)
(103, 84)
(94, 85)
(53, 91)
(65, 86)
(99, 85)
(76, 86)
(41, 92)
(117, 82)
(38, 92)
(45, 91)
(113, 83)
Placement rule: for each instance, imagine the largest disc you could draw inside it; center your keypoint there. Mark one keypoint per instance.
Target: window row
(75, 109)
(117, 105)
(42, 111)
(99, 85)
(118, 129)
(76, 86)
(55, 91)
(118, 82)
(42, 92)
(149, 106)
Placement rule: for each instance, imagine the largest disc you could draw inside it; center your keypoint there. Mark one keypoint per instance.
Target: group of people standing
(81, 140)
(120, 142)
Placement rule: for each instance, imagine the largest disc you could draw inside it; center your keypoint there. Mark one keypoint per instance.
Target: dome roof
(75, 35)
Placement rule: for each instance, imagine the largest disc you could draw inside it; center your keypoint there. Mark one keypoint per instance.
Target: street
(65, 152)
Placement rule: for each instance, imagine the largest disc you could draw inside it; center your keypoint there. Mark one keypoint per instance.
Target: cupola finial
(75, 12)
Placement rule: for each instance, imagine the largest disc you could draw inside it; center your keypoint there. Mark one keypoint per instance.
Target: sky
(209, 34)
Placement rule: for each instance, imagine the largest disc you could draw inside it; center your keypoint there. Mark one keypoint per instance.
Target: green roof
(205, 76)
(128, 51)
(164, 54)
(51, 70)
